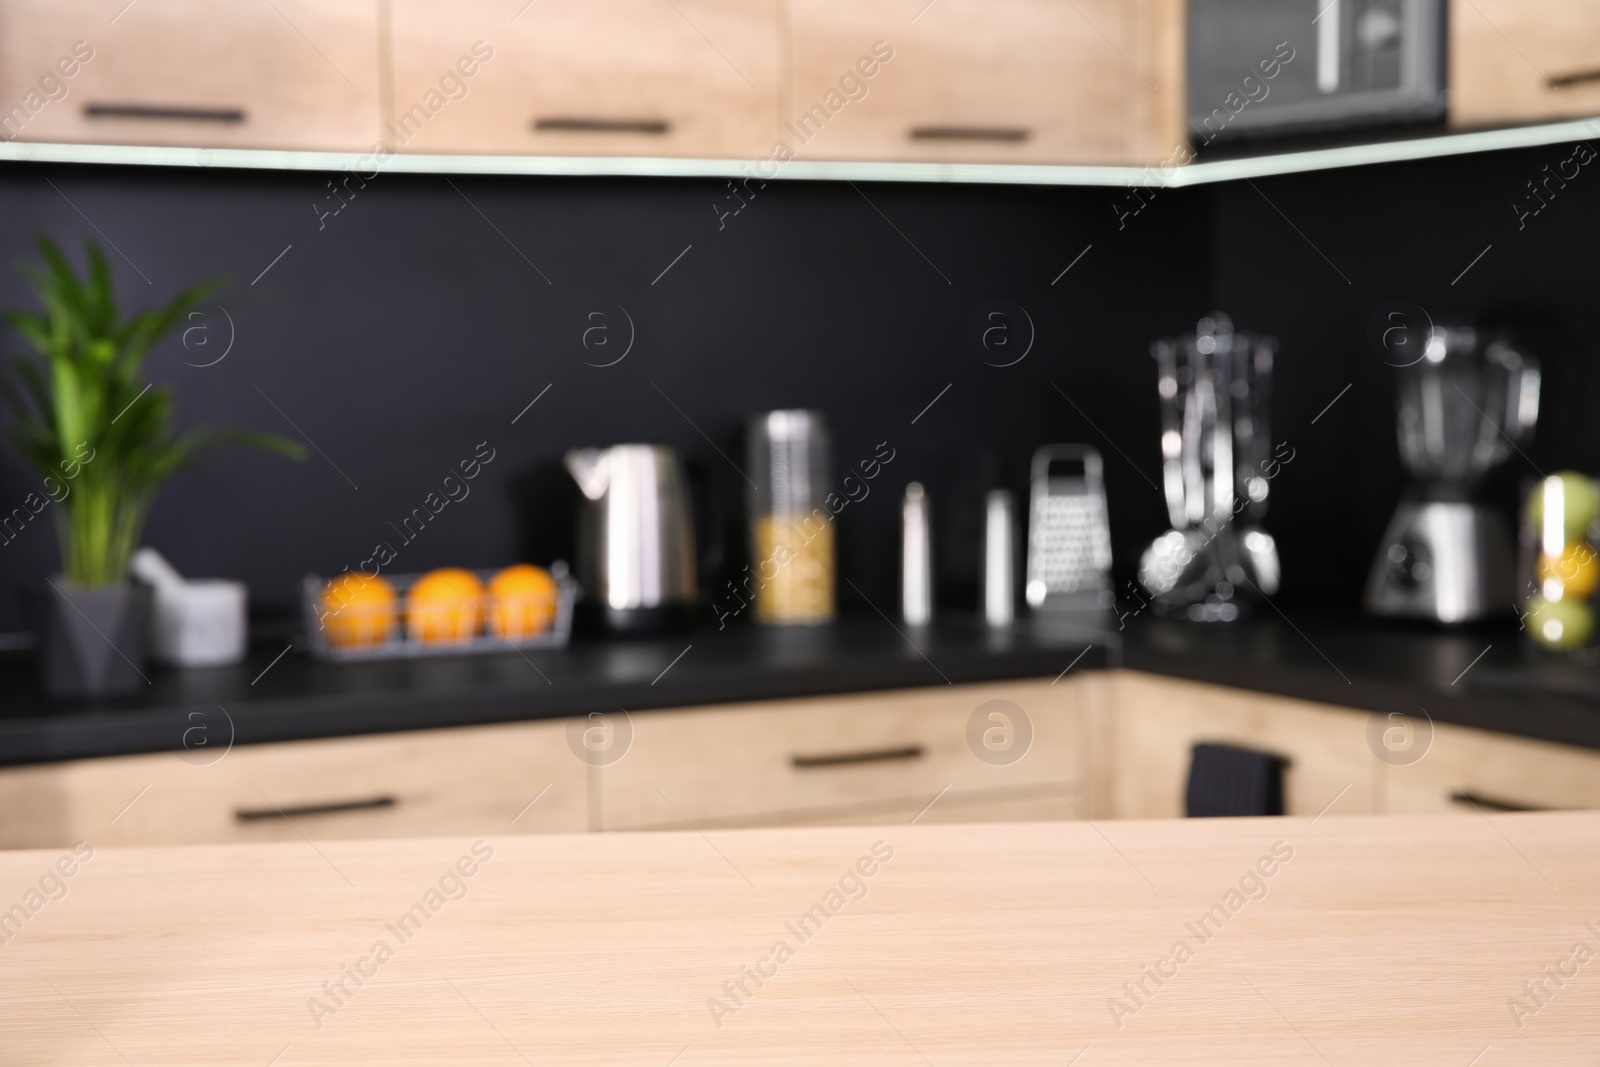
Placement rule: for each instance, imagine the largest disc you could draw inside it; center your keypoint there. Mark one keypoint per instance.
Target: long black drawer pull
(1577, 77)
(1477, 800)
(331, 808)
(1011, 134)
(231, 115)
(840, 759)
(584, 125)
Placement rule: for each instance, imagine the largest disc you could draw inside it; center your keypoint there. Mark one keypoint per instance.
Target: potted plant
(101, 437)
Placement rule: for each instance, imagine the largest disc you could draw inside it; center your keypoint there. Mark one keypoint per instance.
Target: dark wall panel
(1317, 258)
(425, 316)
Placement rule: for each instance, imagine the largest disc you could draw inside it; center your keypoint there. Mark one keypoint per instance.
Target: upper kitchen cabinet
(1514, 61)
(991, 81)
(692, 78)
(294, 74)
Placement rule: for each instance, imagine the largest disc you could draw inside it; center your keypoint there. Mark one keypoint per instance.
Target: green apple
(1580, 503)
(1559, 624)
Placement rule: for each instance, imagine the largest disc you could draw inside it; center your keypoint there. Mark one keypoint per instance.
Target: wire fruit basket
(392, 636)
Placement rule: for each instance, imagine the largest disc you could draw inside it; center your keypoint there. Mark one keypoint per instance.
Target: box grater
(1069, 536)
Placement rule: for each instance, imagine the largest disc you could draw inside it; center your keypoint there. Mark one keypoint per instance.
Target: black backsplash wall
(1406, 232)
(415, 324)
(411, 327)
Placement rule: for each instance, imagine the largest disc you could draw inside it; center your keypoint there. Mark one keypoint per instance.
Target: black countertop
(1482, 678)
(298, 697)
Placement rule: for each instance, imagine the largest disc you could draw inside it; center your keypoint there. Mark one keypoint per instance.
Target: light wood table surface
(1382, 940)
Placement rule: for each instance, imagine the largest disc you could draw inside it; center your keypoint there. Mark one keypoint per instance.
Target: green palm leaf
(83, 412)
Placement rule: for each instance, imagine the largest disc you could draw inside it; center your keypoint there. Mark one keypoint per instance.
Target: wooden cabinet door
(1002, 81)
(1466, 770)
(1156, 721)
(243, 73)
(468, 780)
(1040, 803)
(1517, 61)
(864, 757)
(586, 77)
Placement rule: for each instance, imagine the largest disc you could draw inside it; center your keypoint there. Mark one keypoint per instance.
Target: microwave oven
(1262, 68)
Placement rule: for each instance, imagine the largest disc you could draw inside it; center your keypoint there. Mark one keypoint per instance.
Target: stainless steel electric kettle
(636, 551)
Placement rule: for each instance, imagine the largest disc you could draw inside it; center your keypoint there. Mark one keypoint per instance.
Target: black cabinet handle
(1009, 134)
(1576, 78)
(228, 115)
(331, 808)
(840, 759)
(1478, 800)
(579, 124)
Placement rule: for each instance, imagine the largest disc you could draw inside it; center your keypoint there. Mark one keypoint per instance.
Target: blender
(1215, 388)
(1463, 405)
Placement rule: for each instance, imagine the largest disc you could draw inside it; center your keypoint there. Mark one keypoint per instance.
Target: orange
(1578, 570)
(359, 610)
(444, 606)
(522, 601)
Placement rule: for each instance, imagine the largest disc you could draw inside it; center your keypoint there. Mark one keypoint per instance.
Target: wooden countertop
(1341, 941)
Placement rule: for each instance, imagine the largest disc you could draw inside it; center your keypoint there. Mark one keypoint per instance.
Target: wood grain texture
(1037, 803)
(1510, 770)
(1091, 82)
(1142, 733)
(1517, 61)
(1158, 720)
(1378, 941)
(1025, 81)
(1097, 724)
(304, 72)
(463, 780)
(729, 765)
(734, 765)
(704, 70)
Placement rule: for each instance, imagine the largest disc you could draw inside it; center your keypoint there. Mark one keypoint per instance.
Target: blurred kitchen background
(887, 250)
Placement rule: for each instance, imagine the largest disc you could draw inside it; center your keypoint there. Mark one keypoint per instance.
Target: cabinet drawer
(1036, 803)
(1005, 81)
(285, 74)
(1157, 721)
(471, 780)
(1497, 772)
(597, 78)
(1515, 61)
(821, 760)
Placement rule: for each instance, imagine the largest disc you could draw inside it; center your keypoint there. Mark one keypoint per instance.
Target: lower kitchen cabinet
(1156, 721)
(1149, 724)
(890, 757)
(1009, 749)
(468, 780)
(1464, 770)
(1041, 803)
(1107, 744)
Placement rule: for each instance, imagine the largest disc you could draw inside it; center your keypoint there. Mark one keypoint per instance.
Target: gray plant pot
(92, 640)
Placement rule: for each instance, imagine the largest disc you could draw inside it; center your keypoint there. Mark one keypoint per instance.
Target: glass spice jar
(791, 532)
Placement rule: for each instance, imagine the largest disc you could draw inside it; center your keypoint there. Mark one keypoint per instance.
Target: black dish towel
(1224, 780)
